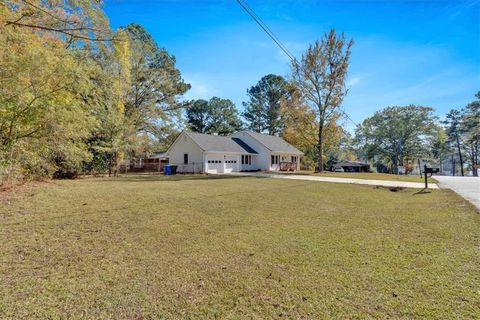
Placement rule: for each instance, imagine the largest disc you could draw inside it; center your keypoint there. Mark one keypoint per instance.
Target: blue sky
(405, 52)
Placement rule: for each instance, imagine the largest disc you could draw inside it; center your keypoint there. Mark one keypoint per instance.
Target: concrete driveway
(384, 183)
(467, 187)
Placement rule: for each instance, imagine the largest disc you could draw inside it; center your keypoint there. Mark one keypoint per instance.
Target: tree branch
(66, 31)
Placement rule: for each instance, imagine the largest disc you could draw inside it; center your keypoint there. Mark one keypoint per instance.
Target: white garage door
(214, 165)
(231, 164)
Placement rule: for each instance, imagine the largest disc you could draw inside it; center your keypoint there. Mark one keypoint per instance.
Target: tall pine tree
(262, 111)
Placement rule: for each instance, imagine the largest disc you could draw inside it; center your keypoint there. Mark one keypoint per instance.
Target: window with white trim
(275, 159)
(247, 159)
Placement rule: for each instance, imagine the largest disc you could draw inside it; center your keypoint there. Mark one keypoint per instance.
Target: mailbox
(432, 170)
(429, 171)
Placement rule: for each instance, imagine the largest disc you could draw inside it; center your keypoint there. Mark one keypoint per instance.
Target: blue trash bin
(167, 169)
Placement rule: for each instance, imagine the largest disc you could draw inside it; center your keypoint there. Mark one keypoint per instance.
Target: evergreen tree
(217, 116)
(455, 131)
(198, 116)
(262, 111)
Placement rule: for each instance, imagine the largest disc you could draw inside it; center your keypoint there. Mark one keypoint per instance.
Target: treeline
(79, 97)
(401, 136)
(76, 96)
(461, 136)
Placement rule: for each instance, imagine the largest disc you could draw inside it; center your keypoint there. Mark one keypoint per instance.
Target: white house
(242, 151)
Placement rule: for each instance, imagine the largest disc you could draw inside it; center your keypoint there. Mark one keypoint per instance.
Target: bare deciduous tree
(320, 77)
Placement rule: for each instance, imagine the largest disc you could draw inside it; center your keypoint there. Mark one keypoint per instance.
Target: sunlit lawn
(142, 247)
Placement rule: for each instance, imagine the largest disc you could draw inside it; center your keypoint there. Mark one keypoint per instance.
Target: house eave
(288, 152)
(230, 152)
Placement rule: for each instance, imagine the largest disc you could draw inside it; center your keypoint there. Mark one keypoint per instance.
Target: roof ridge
(249, 133)
(258, 136)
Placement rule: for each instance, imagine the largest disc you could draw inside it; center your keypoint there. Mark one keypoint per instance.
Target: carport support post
(425, 173)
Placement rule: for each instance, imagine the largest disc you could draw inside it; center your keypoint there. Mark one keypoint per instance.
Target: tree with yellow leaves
(301, 128)
(43, 118)
(74, 95)
(320, 78)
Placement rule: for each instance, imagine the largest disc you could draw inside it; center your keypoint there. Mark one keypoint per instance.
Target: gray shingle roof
(274, 143)
(209, 142)
(159, 155)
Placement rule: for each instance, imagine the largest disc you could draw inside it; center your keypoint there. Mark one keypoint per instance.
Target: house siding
(184, 144)
(211, 161)
(260, 161)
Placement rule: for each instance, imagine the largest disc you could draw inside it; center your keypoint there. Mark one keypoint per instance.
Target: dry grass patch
(237, 247)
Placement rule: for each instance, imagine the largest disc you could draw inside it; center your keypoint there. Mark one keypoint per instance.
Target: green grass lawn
(143, 247)
(374, 176)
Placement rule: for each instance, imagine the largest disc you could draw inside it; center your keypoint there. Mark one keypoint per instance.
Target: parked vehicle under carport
(351, 166)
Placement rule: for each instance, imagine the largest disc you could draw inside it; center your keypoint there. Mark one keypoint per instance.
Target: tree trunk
(474, 164)
(475, 159)
(395, 164)
(460, 155)
(453, 166)
(10, 167)
(397, 158)
(400, 162)
(115, 164)
(110, 166)
(320, 147)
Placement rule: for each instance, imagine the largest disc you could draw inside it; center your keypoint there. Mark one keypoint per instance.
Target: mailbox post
(426, 178)
(430, 171)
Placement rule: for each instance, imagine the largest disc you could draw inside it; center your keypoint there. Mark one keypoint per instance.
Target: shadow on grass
(177, 177)
(423, 191)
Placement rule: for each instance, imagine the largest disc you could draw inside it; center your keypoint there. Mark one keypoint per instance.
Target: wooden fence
(194, 167)
(288, 166)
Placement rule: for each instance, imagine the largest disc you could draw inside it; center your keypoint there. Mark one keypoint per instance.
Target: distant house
(351, 166)
(242, 151)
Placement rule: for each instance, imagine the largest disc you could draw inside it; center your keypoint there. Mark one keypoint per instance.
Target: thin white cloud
(354, 80)
(388, 73)
(295, 48)
(201, 89)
